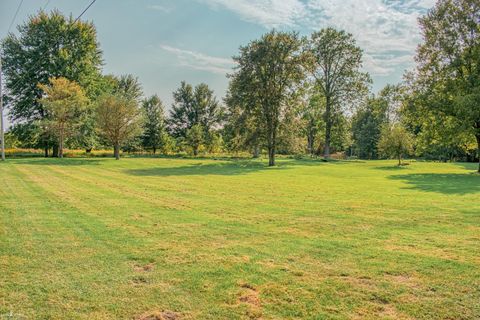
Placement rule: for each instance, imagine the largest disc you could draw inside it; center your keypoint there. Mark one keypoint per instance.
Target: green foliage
(335, 63)
(119, 120)
(447, 78)
(395, 142)
(127, 86)
(64, 103)
(154, 123)
(65, 48)
(195, 138)
(264, 82)
(194, 107)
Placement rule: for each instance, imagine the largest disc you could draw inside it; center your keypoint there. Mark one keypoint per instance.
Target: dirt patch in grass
(159, 315)
(144, 268)
(250, 296)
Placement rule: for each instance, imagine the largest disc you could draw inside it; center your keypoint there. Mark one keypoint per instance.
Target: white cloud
(200, 61)
(269, 13)
(386, 30)
(161, 8)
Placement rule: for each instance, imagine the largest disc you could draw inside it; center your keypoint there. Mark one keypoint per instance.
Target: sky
(163, 42)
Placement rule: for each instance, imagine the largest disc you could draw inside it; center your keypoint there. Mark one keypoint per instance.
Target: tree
(267, 72)
(118, 120)
(313, 124)
(154, 124)
(395, 142)
(448, 70)
(370, 118)
(127, 86)
(48, 46)
(64, 102)
(240, 130)
(191, 107)
(195, 137)
(336, 61)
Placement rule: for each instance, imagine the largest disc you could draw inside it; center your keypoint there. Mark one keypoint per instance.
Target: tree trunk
(328, 128)
(55, 151)
(116, 151)
(60, 148)
(478, 150)
(256, 151)
(271, 156)
(46, 151)
(154, 150)
(399, 159)
(272, 137)
(311, 144)
(195, 151)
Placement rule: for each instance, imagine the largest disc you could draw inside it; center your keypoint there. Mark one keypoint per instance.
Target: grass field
(147, 238)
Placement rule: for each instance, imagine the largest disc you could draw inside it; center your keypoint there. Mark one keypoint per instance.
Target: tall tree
(313, 123)
(154, 124)
(268, 71)
(240, 130)
(118, 120)
(448, 71)
(48, 46)
(367, 124)
(128, 86)
(194, 107)
(64, 102)
(336, 61)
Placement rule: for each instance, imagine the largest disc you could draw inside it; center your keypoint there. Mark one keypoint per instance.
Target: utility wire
(46, 4)
(81, 14)
(14, 16)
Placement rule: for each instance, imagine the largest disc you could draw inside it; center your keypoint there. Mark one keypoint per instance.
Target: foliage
(154, 125)
(118, 120)
(447, 78)
(48, 46)
(395, 142)
(335, 63)
(64, 103)
(195, 137)
(193, 107)
(267, 72)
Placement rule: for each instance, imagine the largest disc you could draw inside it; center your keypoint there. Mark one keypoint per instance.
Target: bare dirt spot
(159, 315)
(145, 268)
(250, 297)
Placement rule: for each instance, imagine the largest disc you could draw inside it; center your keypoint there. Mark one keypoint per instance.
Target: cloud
(161, 8)
(386, 30)
(200, 61)
(268, 13)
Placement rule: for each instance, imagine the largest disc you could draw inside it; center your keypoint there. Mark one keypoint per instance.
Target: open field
(217, 239)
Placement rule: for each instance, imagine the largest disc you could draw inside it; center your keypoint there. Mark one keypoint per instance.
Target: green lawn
(217, 239)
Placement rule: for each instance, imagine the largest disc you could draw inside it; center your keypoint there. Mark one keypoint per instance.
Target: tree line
(287, 94)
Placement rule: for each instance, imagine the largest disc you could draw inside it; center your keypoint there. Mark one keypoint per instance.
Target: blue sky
(165, 41)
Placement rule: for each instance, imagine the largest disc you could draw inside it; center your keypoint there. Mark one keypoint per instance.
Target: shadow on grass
(57, 161)
(392, 168)
(442, 183)
(224, 167)
(216, 168)
(468, 165)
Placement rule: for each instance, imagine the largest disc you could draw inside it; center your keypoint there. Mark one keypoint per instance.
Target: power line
(81, 14)
(46, 4)
(15, 16)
